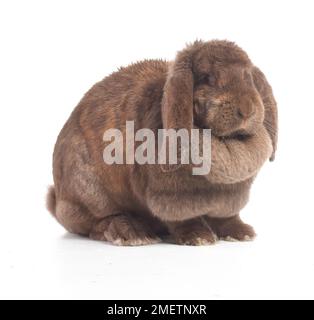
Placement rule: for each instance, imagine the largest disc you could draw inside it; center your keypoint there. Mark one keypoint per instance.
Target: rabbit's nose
(245, 111)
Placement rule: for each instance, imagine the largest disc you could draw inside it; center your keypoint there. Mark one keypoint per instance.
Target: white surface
(52, 52)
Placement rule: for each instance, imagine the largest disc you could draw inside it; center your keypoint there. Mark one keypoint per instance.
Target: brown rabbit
(209, 85)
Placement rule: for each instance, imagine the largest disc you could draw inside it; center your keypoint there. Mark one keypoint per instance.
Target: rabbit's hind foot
(123, 229)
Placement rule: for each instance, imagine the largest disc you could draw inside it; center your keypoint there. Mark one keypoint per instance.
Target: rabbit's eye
(208, 79)
(211, 80)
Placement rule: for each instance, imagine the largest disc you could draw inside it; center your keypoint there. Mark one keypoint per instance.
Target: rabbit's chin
(236, 134)
(239, 133)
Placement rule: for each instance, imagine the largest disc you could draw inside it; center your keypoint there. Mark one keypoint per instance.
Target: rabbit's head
(211, 85)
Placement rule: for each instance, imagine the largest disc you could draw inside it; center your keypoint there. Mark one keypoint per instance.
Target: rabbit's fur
(209, 85)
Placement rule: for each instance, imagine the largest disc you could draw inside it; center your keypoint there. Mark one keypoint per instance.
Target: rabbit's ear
(177, 101)
(271, 116)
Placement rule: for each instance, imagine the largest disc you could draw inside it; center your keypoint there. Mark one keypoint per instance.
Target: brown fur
(209, 85)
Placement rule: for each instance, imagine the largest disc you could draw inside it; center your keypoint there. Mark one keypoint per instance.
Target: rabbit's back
(132, 93)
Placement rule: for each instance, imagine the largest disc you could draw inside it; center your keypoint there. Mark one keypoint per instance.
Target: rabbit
(210, 85)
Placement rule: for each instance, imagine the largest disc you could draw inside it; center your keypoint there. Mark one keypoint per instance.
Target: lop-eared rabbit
(210, 85)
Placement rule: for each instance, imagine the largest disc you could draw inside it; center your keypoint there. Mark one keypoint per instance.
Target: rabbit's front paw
(232, 229)
(193, 233)
(196, 239)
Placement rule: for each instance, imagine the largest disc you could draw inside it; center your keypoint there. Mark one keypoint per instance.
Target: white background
(53, 51)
